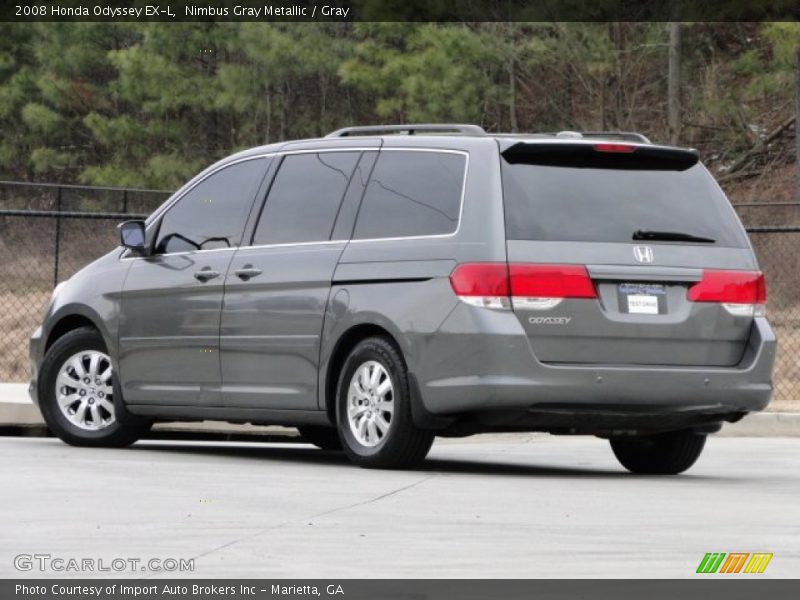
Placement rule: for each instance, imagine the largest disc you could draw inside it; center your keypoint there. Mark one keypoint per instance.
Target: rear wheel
(79, 395)
(324, 438)
(374, 409)
(662, 454)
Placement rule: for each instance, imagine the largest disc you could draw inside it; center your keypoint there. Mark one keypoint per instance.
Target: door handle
(205, 274)
(247, 272)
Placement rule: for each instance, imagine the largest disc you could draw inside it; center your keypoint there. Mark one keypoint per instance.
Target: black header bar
(403, 10)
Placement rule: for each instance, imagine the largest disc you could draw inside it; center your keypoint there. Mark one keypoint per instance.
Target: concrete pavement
(489, 506)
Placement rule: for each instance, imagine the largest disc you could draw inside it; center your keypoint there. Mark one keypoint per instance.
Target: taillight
(551, 281)
(622, 148)
(482, 284)
(532, 286)
(742, 293)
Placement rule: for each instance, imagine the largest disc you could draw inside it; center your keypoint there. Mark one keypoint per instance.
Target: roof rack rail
(409, 129)
(628, 136)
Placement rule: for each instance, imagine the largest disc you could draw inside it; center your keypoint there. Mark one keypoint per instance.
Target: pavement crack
(372, 500)
(264, 530)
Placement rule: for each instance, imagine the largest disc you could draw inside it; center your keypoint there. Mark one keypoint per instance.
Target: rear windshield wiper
(670, 236)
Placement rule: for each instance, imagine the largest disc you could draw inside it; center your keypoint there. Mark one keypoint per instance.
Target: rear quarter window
(555, 203)
(412, 193)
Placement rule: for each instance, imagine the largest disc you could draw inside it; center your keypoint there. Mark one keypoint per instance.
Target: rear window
(555, 203)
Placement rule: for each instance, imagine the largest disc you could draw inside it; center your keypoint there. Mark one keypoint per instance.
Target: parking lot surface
(488, 506)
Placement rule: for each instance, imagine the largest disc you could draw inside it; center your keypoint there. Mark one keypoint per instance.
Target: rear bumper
(481, 362)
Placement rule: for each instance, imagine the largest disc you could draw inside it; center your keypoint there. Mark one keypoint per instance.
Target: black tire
(324, 438)
(126, 428)
(404, 445)
(662, 454)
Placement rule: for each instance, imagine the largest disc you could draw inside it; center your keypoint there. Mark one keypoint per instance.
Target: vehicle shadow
(303, 453)
(289, 452)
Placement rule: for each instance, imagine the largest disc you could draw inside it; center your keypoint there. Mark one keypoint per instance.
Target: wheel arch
(341, 349)
(69, 321)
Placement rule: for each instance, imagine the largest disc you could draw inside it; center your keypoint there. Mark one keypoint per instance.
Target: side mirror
(132, 236)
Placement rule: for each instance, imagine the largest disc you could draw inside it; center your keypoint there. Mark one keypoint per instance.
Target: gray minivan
(385, 285)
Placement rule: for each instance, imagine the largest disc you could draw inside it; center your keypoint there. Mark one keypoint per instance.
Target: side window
(212, 214)
(412, 194)
(352, 199)
(305, 197)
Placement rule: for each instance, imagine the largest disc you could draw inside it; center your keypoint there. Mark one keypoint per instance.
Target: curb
(19, 416)
(767, 424)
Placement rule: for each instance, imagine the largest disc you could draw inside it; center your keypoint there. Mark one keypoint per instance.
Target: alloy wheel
(370, 403)
(84, 390)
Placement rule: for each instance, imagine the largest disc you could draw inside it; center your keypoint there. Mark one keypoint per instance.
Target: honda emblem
(643, 254)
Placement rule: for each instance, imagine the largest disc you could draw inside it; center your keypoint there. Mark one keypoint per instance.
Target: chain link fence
(47, 232)
(774, 230)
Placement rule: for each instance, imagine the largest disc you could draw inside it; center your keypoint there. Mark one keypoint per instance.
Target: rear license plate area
(642, 298)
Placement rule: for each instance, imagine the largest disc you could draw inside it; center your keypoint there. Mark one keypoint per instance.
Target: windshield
(556, 203)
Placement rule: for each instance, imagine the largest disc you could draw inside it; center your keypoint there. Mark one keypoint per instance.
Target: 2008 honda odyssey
(376, 290)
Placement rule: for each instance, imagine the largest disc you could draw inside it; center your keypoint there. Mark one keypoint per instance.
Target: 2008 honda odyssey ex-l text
(376, 288)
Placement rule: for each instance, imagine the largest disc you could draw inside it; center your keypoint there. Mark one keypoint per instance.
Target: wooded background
(148, 105)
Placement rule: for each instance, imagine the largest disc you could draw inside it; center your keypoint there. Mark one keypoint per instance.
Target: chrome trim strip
(292, 244)
(322, 150)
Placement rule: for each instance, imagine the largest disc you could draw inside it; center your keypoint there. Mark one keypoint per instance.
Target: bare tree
(797, 122)
(674, 83)
(512, 96)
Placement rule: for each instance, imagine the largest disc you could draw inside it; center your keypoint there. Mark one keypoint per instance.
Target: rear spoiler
(601, 155)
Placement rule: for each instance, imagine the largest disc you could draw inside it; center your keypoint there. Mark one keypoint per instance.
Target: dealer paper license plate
(642, 298)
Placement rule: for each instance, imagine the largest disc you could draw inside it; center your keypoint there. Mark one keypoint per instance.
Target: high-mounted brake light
(741, 293)
(623, 148)
(530, 286)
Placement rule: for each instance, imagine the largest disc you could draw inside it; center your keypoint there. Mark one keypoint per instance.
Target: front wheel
(374, 409)
(662, 454)
(79, 395)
